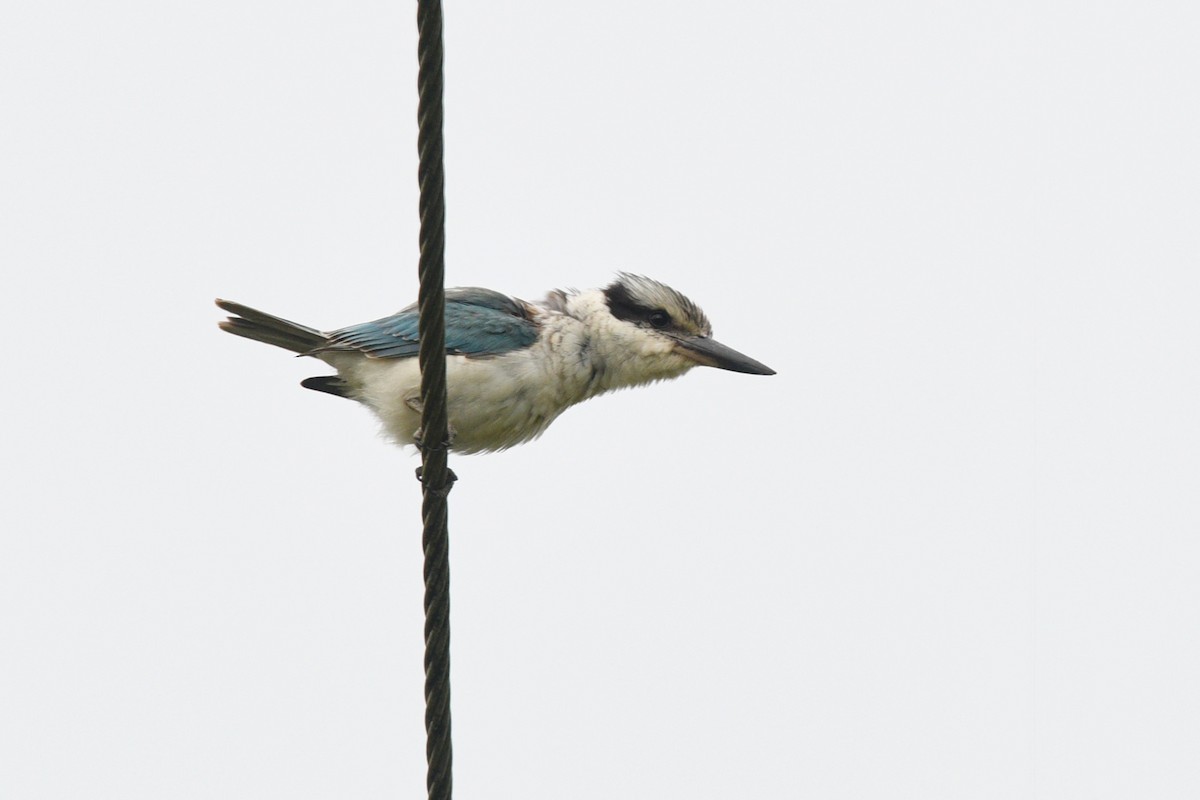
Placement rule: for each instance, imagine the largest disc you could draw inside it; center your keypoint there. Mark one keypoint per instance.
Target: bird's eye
(659, 318)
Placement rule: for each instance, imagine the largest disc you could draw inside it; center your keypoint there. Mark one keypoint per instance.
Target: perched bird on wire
(511, 366)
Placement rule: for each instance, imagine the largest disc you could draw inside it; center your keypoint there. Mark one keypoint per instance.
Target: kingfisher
(512, 367)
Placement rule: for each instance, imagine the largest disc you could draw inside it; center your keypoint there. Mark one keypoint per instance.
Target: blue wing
(479, 322)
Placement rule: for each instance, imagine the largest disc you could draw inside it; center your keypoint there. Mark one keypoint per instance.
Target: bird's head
(662, 334)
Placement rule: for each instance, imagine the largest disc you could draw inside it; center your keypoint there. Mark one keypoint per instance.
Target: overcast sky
(949, 551)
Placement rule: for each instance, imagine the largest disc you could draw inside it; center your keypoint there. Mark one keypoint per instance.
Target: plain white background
(949, 551)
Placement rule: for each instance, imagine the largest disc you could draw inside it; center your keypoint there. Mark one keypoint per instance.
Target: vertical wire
(436, 477)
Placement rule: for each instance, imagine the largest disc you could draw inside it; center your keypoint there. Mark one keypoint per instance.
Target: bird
(512, 367)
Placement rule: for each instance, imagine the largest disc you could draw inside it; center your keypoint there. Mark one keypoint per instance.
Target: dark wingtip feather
(329, 384)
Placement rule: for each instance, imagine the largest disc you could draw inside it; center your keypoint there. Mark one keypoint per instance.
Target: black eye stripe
(624, 307)
(630, 297)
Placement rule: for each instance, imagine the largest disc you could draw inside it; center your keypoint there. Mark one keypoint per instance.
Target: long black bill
(712, 353)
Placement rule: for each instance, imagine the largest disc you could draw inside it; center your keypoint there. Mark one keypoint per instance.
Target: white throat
(613, 353)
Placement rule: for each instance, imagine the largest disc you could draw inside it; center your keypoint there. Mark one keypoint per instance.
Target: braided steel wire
(436, 477)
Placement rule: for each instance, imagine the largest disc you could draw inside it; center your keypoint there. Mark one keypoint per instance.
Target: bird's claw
(419, 440)
(441, 491)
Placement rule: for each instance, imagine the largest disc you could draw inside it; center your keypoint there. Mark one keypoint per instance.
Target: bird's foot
(419, 440)
(440, 491)
(426, 449)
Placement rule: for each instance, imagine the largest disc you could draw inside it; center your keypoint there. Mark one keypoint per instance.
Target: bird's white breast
(495, 402)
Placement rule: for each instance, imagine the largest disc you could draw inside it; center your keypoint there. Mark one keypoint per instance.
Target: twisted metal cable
(436, 477)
